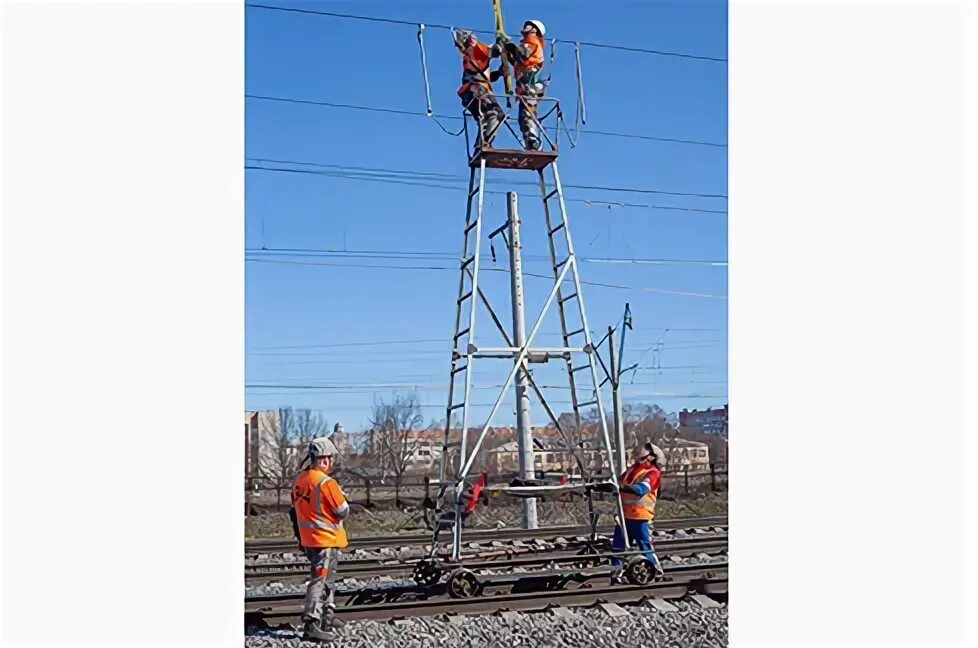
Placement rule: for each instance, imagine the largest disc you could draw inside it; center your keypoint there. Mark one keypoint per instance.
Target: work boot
(532, 144)
(331, 621)
(659, 572)
(313, 631)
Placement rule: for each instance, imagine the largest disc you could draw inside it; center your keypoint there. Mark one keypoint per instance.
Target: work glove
(606, 487)
(628, 488)
(502, 39)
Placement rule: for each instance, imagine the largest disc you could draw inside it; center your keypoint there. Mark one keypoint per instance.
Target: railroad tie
(613, 610)
(663, 605)
(705, 601)
(564, 613)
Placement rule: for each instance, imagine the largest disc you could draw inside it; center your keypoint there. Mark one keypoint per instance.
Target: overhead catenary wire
(415, 113)
(404, 178)
(422, 254)
(399, 174)
(679, 293)
(412, 23)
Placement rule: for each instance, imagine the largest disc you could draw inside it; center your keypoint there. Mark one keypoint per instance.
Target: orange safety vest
(526, 69)
(475, 67)
(640, 507)
(317, 497)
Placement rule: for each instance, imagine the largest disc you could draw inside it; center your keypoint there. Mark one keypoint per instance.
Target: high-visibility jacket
(320, 507)
(645, 477)
(475, 67)
(528, 61)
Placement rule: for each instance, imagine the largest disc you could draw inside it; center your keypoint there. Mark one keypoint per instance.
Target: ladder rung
(459, 369)
(557, 229)
(580, 330)
(461, 333)
(471, 226)
(568, 297)
(587, 404)
(468, 261)
(464, 297)
(453, 444)
(561, 264)
(455, 407)
(582, 367)
(550, 195)
(474, 191)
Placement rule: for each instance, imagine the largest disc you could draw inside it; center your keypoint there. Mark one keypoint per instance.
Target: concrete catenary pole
(524, 433)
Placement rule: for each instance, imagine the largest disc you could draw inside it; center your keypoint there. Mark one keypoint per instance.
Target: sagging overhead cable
(427, 86)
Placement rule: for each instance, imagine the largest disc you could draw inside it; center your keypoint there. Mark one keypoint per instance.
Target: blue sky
(299, 302)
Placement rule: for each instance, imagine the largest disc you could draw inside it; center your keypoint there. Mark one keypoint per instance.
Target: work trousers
(322, 575)
(639, 535)
(482, 105)
(528, 118)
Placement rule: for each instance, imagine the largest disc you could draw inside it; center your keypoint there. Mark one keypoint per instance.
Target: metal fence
(413, 491)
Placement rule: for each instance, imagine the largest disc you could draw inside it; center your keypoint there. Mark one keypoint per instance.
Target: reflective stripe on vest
(319, 524)
(318, 499)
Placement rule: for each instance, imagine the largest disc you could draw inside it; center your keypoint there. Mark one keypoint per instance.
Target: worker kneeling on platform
(527, 59)
(319, 507)
(639, 487)
(476, 88)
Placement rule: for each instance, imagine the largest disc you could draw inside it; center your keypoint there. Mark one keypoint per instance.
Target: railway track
(507, 558)
(388, 603)
(280, 545)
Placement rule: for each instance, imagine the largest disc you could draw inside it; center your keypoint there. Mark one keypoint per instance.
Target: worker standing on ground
(319, 507)
(527, 60)
(639, 488)
(476, 89)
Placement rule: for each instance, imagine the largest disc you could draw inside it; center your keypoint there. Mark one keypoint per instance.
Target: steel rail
(501, 559)
(278, 545)
(270, 611)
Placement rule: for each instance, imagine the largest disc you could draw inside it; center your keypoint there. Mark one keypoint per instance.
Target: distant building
(708, 421)
(506, 458)
(682, 453)
(260, 430)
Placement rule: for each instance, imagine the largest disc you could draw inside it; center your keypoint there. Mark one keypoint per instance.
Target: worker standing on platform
(639, 488)
(476, 89)
(319, 507)
(527, 60)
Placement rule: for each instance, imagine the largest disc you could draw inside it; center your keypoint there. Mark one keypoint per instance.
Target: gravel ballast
(689, 625)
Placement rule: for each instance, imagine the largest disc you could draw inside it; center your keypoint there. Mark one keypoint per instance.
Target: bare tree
(283, 447)
(394, 436)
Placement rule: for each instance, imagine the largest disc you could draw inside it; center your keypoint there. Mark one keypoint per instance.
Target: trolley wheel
(427, 572)
(463, 584)
(640, 571)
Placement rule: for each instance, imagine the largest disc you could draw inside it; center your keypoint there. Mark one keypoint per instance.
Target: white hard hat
(539, 25)
(322, 447)
(649, 449)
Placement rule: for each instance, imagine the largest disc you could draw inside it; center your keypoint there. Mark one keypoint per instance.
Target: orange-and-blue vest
(646, 477)
(320, 507)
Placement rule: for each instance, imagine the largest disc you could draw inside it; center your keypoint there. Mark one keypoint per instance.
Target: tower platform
(512, 158)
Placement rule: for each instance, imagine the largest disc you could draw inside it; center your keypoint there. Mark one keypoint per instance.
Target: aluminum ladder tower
(565, 294)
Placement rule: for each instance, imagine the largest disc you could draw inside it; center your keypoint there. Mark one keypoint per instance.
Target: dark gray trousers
(322, 575)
